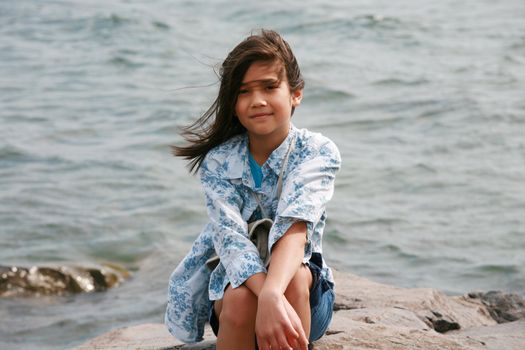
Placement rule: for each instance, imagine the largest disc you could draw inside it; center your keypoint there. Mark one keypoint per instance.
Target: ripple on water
(125, 62)
(496, 269)
(13, 154)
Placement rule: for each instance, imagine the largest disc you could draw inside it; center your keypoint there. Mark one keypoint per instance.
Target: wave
(498, 269)
(400, 82)
(327, 94)
(13, 154)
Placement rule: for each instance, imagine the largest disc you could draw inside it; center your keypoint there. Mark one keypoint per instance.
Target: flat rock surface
(371, 315)
(499, 337)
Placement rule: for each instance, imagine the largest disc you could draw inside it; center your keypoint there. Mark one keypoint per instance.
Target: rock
(145, 337)
(371, 315)
(502, 307)
(505, 336)
(430, 305)
(58, 280)
(346, 333)
(442, 324)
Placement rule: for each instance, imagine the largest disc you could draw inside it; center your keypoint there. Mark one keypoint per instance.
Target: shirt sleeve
(306, 191)
(237, 253)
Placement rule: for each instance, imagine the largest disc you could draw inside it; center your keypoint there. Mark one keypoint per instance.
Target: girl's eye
(242, 91)
(271, 87)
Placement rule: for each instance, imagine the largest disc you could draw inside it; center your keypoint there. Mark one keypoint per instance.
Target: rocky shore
(54, 279)
(370, 315)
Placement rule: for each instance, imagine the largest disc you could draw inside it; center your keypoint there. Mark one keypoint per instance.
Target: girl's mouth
(260, 115)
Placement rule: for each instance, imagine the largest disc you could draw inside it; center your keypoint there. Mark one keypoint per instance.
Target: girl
(254, 164)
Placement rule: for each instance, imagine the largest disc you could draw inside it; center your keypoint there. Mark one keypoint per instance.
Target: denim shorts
(321, 302)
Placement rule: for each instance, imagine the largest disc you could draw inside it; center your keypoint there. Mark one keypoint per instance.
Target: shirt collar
(237, 159)
(238, 166)
(276, 158)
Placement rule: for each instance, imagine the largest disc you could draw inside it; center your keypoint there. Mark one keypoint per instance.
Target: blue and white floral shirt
(308, 184)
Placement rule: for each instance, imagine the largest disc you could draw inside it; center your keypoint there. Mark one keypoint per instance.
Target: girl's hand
(277, 325)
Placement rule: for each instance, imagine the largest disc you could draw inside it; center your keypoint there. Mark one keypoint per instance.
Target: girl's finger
(262, 344)
(291, 331)
(274, 343)
(294, 343)
(303, 342)
(302, 339)
(283, 342)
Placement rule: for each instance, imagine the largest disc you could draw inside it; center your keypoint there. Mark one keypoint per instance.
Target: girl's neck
(262, 147)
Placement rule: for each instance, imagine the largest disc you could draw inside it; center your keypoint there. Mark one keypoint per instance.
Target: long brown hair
(219, 123)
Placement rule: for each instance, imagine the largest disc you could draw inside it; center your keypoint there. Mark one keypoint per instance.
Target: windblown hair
(219, 123)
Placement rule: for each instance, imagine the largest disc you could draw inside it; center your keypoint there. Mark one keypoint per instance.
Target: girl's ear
(297, 96)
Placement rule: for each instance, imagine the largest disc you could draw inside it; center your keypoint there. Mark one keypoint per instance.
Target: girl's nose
(258, 100)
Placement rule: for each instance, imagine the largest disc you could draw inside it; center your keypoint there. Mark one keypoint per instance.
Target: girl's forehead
(263, 71)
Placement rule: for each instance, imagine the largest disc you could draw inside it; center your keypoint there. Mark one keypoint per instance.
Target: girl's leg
(298, 295)
(236, 313)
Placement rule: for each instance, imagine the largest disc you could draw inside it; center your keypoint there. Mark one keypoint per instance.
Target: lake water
(424, 99)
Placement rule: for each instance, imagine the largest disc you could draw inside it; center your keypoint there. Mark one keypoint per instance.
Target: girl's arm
(287, 257)
(283, 266)
(238, 255)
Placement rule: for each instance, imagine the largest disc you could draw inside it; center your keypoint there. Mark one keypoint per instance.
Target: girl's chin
(267, 132)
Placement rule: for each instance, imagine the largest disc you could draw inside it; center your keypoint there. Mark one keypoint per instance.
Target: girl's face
(264, 104)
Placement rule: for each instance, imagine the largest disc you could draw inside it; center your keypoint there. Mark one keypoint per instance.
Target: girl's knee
(239, 307)
(299, 287)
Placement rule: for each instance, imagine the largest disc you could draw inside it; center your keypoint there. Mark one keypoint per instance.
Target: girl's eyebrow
(260, 81)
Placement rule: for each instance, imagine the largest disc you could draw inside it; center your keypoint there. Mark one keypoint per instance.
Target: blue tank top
(256, 171)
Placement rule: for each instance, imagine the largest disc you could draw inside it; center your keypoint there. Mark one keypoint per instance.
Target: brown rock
(16, 281)
(503, 307)
(145, 337)
(345, 333)
(370, 315)
(506, 336)
(430, 305)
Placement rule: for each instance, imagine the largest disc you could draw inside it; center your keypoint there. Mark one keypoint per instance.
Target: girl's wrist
(256, 283)
(269, 294)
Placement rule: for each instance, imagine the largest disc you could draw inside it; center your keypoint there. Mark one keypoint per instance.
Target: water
(424, 100)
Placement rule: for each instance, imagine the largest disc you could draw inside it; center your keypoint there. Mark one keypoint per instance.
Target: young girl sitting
(255, 164)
